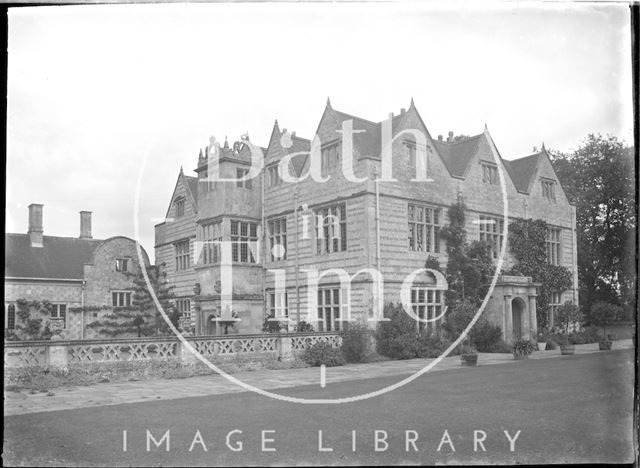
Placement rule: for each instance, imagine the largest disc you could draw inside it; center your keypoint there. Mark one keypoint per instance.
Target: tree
(602, 314)
(598, 179)
(145, 304)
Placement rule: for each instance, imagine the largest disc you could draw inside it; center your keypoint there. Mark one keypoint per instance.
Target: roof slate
(457, 155)
(522, 170)
(59, 257)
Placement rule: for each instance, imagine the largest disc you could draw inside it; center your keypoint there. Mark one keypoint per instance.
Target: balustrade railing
(61, 353)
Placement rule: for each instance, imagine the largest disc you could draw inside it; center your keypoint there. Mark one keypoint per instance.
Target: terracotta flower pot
(567, 349)
(541, 345)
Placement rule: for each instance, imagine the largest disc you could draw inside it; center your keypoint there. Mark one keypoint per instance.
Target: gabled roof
(522, 171)
(192, 186)
(59, 257)
(457, 155)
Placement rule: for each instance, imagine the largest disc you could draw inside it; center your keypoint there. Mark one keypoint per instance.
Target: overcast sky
(93, 89)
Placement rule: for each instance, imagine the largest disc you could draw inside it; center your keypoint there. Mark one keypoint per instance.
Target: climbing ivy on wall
(527, 244)
(31, 314)
(469, 267)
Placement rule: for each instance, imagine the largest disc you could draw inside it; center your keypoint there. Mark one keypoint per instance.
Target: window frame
(10, 323)
(211, 236)
(241, 241)
(331, 220)
(122, 296)
(493, 237)
(277, 234)
(427, 302)
(59, 311)
(179, 207)
(489, 173)
(553, 244)
(333, 321)
(181, 252)
(427, 227)
(548, 187)
(125, 263)
(241, 172)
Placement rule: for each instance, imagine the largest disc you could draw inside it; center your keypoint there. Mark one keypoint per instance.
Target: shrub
(322, 353)
(355, 342)
(551, 345)
(500, 347)
(485, 336)
(303, 327)
(398, 337)
(523, 347)
(271, 326)
(431, 344)
(467, 349)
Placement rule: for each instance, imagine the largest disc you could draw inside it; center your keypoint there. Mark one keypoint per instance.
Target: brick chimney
(85, 225)
(450, 137)
(439, 137)
(35, 224)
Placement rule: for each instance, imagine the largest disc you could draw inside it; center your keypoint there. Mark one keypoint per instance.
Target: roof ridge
(465, 140)
(356, 117)
(526, 157)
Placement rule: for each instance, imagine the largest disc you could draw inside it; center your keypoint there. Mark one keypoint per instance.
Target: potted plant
(602, 314)
(569, 317)
(522, 348)
(468, 355)
(543, 336)
(566, 347)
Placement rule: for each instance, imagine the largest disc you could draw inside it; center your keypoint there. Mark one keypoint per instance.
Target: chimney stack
(439, 137)
(450, 138)
(35, 224)
(85, 225)
(402, 111)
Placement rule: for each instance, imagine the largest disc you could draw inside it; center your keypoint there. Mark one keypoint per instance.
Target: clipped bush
(355, 342)
(551, 345)
(322, 353)
(486, 336)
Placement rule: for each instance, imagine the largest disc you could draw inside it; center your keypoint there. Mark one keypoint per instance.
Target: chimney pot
(85, 225)
(35, 224)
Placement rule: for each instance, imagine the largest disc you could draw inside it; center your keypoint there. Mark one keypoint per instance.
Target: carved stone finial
(226, 142)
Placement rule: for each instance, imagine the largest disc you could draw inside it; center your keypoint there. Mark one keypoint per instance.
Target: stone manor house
(389, 226)
(72, 273)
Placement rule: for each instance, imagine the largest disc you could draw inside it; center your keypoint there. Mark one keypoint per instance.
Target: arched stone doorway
(518, 311)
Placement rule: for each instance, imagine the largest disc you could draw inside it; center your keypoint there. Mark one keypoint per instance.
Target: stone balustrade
(62, 353)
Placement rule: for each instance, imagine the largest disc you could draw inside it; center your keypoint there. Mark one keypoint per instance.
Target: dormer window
(548, 189)
(179, 207)
(489, 174)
